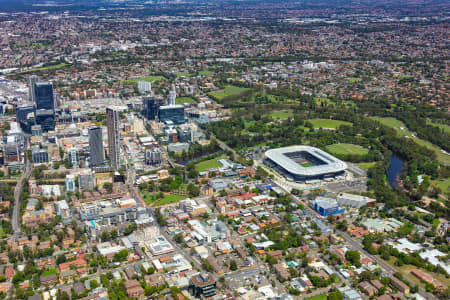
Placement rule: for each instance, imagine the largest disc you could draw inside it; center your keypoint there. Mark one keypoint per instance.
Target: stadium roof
(332, 165)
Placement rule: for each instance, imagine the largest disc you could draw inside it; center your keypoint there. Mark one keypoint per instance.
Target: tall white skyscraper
(144, 87)
(112, 114)
(172, 96)
(32, 80)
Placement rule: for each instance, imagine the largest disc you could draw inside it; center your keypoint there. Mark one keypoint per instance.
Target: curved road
(15, 222)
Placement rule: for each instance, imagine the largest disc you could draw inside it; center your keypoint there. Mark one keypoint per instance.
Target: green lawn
(185, 74)
(169, 198)
(366, 166)
(354, 79)
(209, 164)
(388, 121)
(182, 100)
(319, 297)
(306, 164)
(58, 66)
(440, 156)
(444, 127)
(319, 100)
(406, 271)
(444, 185)
(51, 271)
(327, 123)
(2, 233)
(346, 149)
(229, 90)
(282, 114)
(206, 72)
(148, 78)
(394, 123)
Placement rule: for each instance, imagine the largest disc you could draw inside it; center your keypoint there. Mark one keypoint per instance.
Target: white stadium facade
(304, 163)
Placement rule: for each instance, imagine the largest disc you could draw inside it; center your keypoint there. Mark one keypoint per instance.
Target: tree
(178, 238)
(271, 260)
(94, 284)
(193, 190)
(335, 296)
(207, 265)
(105, 236)
(60, 259)
(108, 187)
(121, 255)
(130, 228)
(233, 265)
(353, 256)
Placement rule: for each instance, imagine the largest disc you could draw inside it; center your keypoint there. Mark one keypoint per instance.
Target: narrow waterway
(394, 171)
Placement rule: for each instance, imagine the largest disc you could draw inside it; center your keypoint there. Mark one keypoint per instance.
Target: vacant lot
(327, 123)
(347, 149)
(229, 90)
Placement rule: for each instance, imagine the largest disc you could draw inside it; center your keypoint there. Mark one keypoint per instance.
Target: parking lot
(347, 186)
(249, 277)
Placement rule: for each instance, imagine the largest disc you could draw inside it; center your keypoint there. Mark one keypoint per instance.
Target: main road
(357, 246)
(18, 191)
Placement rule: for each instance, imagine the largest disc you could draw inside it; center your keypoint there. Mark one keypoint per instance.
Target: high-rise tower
(44, 96)
(112, 115)
(32, 80)
(96, 146)
(172, 97)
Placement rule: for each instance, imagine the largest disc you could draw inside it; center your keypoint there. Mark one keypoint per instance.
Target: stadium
(304, 163)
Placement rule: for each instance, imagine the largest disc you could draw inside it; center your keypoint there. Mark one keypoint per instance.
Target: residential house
(134, 289)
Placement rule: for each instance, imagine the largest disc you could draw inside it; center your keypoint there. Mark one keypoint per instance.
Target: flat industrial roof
(332, 163)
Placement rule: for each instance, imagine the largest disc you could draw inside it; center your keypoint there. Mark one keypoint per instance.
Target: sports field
(346, 149)
(182, 100)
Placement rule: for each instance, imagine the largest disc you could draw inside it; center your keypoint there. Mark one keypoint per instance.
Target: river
(394, 171)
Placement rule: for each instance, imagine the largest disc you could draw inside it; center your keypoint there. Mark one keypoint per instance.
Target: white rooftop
(332, 164)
